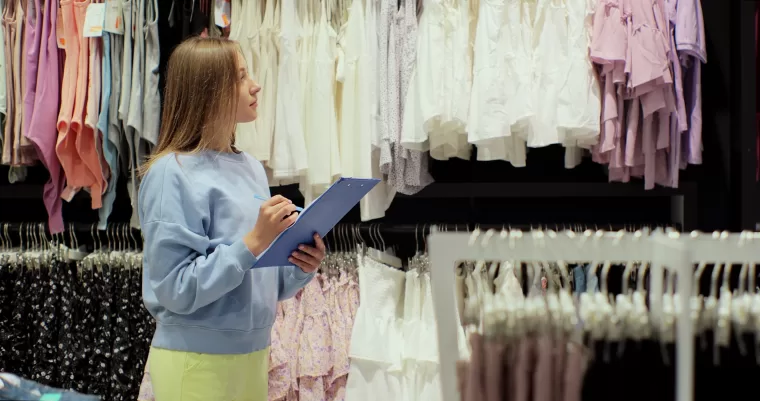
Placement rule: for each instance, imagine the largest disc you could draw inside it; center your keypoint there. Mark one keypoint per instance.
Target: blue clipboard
(319, 217)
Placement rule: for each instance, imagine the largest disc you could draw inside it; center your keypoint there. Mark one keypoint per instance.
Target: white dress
(372, 16)
(289, 156)
(304, 47)
(423, 106)
(578, 114)
(490, 119)
(377, 341)
(356, 156)
(435, 108)
(322, 141)
(245, 133)
(267, 78)
(427, 376)
(412, 330)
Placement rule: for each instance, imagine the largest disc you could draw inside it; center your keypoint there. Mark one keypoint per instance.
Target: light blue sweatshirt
(197, 278)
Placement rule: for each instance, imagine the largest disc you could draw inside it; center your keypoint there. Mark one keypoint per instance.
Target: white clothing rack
(674, 251)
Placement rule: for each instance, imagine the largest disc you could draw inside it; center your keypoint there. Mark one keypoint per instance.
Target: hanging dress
(406, 170)
(314, 343)
(24, 153)
(3, 70)
(42, 127)
(322, 141)
(110, 151)
(136, 107)
(377, 342)
(412, 333)
(268, 80)
(9, 32)
(283, 362)
(289, 157)
(31, 57)
(428, 373)
(494, 84)
(151, 93)
(247, 34)
(356, 115)
(578, 116)
(115, 131)
(94, 147)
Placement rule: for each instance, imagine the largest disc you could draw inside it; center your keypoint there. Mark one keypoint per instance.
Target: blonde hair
(200, 101)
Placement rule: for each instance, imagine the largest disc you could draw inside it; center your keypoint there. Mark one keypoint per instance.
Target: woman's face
(247, 96)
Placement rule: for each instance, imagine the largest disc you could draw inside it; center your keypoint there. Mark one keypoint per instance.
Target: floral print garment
(308, 358)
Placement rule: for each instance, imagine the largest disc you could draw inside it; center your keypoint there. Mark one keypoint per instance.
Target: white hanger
(614, 327)
(381, 255)
(723, 322)
(742, 302)
(641, 329)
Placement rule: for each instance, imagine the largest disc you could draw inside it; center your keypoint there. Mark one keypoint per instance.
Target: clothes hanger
(640, 316)
(708, 316)
(380, 255)
(608, 309)
(666, 324)
(3, 244)
(472, 308)
(741, 304)
(722, 327)
(624, 307)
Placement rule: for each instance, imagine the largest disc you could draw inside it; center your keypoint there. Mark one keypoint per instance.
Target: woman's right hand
(276, 214)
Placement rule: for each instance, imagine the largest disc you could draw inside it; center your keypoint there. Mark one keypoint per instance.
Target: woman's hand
(308, 258)
(276, 214)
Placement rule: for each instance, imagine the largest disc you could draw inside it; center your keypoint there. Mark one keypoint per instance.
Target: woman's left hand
(308, 258)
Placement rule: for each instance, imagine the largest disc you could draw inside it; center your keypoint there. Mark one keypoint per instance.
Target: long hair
(200, 100)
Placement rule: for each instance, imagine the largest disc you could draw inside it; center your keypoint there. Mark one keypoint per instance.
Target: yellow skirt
(188, 376)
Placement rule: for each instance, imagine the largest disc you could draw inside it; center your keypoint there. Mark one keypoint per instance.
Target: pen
(261, 198)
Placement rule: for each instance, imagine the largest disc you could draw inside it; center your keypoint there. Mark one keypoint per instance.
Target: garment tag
(94, 20)
(60, 38)
(222, 13)
(114, 17)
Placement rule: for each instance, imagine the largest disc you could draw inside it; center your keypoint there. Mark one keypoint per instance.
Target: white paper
(94, 20)
(114, 20)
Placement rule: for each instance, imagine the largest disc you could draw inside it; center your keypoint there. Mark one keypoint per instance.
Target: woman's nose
(255, 89)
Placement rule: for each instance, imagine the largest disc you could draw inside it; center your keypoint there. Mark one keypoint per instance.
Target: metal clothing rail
(79, 233)
(78, 228)
(673, 251)
(426, 228)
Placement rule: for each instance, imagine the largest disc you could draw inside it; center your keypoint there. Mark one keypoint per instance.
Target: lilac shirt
(692, 50)
(42, 125)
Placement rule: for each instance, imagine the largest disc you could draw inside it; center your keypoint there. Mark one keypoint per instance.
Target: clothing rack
(83, 234)
(407, 240)
(673, 251)
(366, 229)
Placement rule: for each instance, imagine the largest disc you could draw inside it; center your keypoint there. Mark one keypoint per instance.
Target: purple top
(649, 100)
(41, 125)
(692, 50)
(30, 58)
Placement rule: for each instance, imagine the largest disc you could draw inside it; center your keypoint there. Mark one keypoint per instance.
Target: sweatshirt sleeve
(291, 279)
(183, 276)
(183, 268)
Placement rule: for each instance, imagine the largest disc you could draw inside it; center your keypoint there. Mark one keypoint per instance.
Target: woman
(203, 230)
